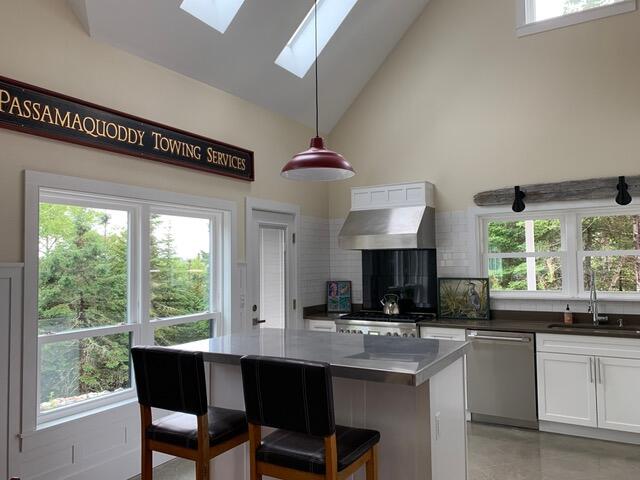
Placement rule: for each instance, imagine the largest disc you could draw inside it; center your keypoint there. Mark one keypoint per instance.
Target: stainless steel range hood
(389, 228)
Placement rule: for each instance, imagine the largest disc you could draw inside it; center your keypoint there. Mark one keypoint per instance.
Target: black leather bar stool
(296, 397)
(175, 380)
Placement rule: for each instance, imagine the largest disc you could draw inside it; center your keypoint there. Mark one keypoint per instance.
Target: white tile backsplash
(452, 243)
(345, 264)
(314, 260)
(322, 259)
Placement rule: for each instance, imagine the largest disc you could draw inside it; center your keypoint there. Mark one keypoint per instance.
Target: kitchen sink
(602, 328)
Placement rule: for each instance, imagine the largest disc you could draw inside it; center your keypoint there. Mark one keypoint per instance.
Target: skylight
(298, 54)
(217, 14)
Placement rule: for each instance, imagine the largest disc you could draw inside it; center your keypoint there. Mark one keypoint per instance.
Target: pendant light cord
(315, 19)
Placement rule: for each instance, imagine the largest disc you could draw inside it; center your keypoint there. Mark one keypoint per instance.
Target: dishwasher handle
(476, 336)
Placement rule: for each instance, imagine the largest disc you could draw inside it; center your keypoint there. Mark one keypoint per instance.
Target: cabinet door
(566, 389)
(618, 393)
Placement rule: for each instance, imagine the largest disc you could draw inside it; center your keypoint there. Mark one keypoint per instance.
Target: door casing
(253, 205)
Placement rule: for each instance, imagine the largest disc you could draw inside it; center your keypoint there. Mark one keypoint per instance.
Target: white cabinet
(456, 334)
(441, 333)
(320, 325)
(618, 391)
(566, 389)
(599, 390)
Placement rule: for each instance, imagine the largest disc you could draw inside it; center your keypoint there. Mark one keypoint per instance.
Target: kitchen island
(411, 390)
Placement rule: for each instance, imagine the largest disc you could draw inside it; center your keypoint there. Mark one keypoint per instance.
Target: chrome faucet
(593, 301)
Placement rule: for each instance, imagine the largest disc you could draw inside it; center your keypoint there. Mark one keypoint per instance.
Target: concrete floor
(502, 453)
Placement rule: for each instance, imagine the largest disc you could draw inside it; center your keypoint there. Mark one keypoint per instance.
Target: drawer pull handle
(507, 339)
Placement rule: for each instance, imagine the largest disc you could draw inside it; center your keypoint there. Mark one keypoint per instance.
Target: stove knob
(413, 335)
(396, 334)
(404, 335)
(342, 330)
(388, 334)
(360, 331)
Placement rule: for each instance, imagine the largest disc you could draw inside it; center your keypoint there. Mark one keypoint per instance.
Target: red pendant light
(317, 163)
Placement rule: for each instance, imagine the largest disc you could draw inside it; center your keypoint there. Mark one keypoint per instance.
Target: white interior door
(271, 269)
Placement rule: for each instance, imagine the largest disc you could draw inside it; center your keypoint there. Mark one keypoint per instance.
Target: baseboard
(588, 432)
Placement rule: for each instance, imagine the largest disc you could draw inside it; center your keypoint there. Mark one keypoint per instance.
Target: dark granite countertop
(539, 326)
(524, 322)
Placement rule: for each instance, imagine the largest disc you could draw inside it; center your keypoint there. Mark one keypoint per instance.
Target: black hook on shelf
(518, 202)
(623, 197)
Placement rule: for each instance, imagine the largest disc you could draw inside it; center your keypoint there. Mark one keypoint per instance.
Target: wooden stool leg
(372, 464)
(255, 437)
(202, 463)
(202, 469)
(146, 464)
(331, 458)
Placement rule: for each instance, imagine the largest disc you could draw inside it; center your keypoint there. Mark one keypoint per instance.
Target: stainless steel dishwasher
(501, 378)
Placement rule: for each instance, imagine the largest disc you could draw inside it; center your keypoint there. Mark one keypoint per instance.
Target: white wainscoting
(10, 307)
(100, 446)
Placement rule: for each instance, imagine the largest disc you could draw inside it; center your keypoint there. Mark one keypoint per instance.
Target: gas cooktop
(376, 316)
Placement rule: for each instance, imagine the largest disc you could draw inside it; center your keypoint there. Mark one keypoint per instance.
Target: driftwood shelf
(594, 189)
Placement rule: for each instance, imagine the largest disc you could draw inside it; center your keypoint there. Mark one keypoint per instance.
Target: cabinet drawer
(320, 325)
(585, 345)
(440, 333)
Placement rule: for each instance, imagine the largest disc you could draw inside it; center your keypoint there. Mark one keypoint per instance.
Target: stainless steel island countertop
(406, 361)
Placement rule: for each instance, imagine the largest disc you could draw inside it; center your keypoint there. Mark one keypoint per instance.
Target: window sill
(547, 297)
(83, 415)
(532, 28)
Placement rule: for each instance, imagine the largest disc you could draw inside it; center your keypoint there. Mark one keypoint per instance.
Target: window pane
(617, 232)
(522, 274)
(525, 236)
(613, 274)
(548, 274)
(183, 333)
(79, 370)
(507, 237)
(82, 267)
(179, 265)
(545, 9)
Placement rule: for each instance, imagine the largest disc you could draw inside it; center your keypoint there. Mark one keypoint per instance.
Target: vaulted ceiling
(241, 61)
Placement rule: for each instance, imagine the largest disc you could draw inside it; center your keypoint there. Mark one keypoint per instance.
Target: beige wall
(466, 104)
(42, 43)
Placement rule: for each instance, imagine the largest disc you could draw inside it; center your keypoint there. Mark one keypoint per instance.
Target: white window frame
(525, 27)
(570, 214)
(139, 202)
(562, 253)
(581, 253)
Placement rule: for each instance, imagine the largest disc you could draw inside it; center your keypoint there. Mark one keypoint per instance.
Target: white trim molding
(257, 204)
(11, 284)
(571, 252)
(525, 25)
(66, 447)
